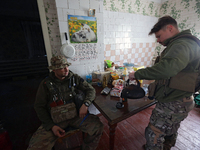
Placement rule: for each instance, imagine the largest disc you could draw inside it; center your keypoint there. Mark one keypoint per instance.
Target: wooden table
(107, 106)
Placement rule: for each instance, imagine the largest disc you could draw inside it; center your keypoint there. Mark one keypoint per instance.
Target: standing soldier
(175, 75)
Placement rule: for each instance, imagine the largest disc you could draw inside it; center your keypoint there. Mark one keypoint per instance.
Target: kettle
(132, 91)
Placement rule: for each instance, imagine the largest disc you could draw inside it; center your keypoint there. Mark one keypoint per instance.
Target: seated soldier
(59, 89)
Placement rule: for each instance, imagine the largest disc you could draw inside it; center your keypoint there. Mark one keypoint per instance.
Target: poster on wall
(82, 29)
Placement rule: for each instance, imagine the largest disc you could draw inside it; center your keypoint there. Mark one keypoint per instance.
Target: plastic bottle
(125, 75)
(89, 75)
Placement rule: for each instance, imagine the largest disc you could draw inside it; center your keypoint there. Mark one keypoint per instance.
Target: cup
(89, 78)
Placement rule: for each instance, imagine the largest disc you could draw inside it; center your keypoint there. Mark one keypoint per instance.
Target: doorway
(23, 65)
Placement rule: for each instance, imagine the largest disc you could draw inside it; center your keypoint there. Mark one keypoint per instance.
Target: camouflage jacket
(63, 90)
(181, 54)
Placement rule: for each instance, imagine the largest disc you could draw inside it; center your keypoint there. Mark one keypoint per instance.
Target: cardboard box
(100, 75)
(115, 93)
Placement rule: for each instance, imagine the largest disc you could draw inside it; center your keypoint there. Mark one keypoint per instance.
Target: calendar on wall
(85, 51)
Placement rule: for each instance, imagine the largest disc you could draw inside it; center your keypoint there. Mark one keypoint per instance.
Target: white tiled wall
(122, 36)
(81, 7)
(126, 37)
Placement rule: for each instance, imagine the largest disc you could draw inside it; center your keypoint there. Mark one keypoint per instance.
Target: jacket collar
(185, 32)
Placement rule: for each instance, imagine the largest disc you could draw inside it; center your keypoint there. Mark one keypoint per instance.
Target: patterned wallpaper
(136, 18)
(144, 7)
(53, 27)
(186, 12)
(129, 6)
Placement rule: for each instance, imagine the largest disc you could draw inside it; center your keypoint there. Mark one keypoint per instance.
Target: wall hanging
(82, 29)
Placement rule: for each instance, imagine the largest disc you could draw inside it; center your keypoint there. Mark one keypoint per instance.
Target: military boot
(170, 141)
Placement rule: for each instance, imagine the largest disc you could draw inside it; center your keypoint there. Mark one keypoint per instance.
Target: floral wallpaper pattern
(186, 12)
(53, 27)
(144, 7)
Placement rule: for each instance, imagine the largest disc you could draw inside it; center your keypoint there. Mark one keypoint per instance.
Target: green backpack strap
(72, 85)
(50, 85)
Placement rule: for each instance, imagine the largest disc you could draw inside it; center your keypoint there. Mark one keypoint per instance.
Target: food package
(118, 87)
(115, 92)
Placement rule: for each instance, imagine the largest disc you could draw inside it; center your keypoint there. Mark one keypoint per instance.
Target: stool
(71, 140)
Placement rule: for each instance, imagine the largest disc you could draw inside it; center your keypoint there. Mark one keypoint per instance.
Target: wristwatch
(87, 104)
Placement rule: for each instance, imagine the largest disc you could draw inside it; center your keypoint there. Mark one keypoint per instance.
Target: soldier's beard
(62, 76)
(66, 74)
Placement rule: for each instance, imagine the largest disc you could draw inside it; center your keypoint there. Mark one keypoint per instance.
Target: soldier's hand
(83, 111)
(58, 131)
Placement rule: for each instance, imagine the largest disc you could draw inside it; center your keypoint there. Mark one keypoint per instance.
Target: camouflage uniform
(65, 89)
(180, 55)
(164, 122)
(45, 140)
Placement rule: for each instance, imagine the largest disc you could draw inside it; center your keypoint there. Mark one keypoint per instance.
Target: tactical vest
(178, 81)
(63, 92)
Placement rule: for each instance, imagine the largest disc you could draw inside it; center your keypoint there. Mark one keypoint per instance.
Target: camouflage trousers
(45, 140)
(164, 122)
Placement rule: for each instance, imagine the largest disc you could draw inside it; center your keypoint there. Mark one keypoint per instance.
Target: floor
(20, 120)
(130, 132)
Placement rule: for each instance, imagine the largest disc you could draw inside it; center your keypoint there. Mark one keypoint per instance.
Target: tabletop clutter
(114, 79)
